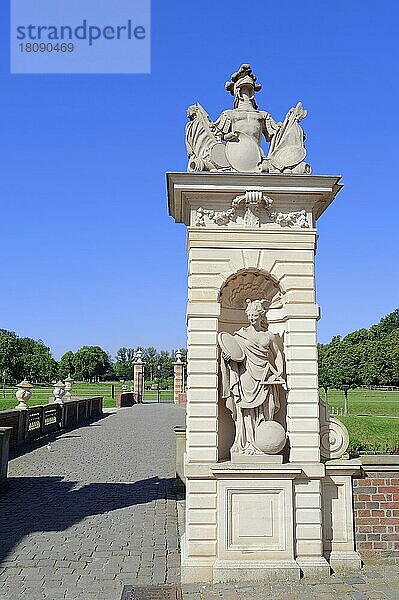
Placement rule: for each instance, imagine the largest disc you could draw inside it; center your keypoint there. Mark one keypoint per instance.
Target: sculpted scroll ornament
(233, 141)
(334, 437)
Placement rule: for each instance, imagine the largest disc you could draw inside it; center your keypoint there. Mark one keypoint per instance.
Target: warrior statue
(233, 141)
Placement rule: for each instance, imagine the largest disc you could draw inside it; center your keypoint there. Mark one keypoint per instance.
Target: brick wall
(376, 510)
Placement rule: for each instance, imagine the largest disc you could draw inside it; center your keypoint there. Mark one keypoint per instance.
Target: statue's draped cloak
(250, 400)
(242, 382)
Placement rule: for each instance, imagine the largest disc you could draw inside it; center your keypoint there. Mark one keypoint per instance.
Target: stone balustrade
(37, 421)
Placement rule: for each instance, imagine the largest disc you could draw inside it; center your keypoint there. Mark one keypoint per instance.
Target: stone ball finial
(139, 355)
(178, 356)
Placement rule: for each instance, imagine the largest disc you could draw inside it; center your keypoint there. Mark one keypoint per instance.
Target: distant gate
(157, 395)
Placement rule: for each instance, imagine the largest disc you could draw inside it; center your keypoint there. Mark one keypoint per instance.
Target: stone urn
(59, 392)
(23, 394)
(68, 388)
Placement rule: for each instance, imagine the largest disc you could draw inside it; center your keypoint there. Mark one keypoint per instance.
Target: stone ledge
(230, 470)
(247, 570)
(380, 462)
(341, 466)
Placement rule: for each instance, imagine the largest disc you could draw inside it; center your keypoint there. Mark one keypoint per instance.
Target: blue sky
(88, 253)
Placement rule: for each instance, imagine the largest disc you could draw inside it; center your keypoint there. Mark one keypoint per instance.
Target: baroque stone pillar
(178, 377)
(253, 237)
(138, 377)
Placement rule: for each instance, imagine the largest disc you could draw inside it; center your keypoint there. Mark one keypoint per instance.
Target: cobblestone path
(100, 511)
(94, 513)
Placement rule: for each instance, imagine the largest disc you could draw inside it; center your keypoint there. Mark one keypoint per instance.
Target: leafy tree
(124, 363)
(66, 365)
(90, 362)
(324, 368)
(386, 325)
(37, 363)
(345, 369)
(110, 374)
(9, 357)
(150, 357)
(375, 364)
(326, 355)
(392, 350)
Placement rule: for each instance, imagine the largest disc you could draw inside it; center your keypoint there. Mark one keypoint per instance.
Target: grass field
(362, 401)
(372, 433)
(41, 394)
(371, 421)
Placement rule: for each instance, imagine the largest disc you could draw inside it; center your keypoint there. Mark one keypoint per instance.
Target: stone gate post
(138, 377)
(268, 486)
(178, 377)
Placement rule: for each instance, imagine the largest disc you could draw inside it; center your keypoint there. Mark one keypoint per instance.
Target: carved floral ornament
(251, 204)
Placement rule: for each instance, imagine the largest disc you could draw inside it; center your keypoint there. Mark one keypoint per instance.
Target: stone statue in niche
(233, 141)
(253, 384)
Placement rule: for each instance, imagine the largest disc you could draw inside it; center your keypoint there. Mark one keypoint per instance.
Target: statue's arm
(270, 127)
(279, 359)
(224, 124)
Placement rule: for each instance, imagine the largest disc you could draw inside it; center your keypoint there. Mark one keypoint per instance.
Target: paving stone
(358, 596)
(97, 533)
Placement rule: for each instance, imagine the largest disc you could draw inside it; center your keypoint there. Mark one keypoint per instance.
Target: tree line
(365, 357)
(22, 357)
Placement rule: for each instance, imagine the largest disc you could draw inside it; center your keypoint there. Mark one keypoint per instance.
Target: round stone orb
(270, 437)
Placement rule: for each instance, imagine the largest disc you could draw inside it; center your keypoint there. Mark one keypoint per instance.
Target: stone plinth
(253, 236)
(255, 534)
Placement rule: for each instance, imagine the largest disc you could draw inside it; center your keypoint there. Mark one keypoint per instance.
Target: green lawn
(362, 401)
(373, 432)
(41, 394)
(369, 433)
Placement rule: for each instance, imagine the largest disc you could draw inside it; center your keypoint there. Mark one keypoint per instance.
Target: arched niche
(252, 284)
(255, 285)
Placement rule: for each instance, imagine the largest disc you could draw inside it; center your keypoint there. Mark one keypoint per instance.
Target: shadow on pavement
(51, 437)
(40, 504)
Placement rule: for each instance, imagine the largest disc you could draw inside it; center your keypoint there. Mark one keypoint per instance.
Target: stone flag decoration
(267, 476)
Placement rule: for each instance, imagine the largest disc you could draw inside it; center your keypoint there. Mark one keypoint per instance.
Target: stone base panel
(239, 515)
